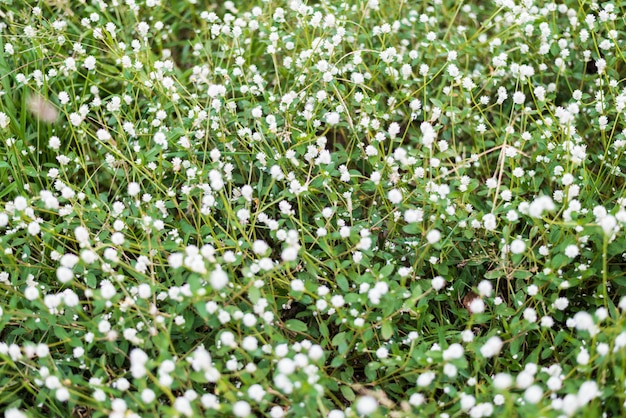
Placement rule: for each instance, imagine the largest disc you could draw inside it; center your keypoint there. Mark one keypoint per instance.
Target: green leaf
(412, 229)
(254, 294)
(386, 330)
(323, 329)
(494, 274)
(337, 361)
(296, 325)
(347, 393)
(343, 283)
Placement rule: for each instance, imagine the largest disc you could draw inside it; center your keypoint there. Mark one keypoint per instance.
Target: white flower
(289, 254)
(518, 246)
(382, 352)
(147, 396)
(64, 274)
(31, 293)
(337, 301)
(561, 303)
(366, 405)
(438, 282)
(485, 288)
(218, 278)
(297, 285)
(584, 322)
(572, 251)
(530, 315)
(425, 379)
(4, 120)
(183, 406)
(62, 394)
(539, 205)
(90, 63)
(433, 236)
(502, 381)
(332, 118)
(489, 221)
(34, 228)
(455, 351)
(491, 347)
(583, 357)
(477, 306)
(587, 392)
(395, 196)
(133, 189)
(533, 394)
(20, 203)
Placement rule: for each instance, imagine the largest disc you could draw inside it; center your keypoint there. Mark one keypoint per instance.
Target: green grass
(276, 209)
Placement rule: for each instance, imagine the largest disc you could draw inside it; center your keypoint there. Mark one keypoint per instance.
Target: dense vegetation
(280, 208)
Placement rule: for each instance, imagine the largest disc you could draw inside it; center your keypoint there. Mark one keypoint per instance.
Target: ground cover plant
(282, 208)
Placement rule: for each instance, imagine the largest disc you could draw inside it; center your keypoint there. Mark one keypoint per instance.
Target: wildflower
(64, 274)
(4, 120)
(455, 351)
(90, 62)
(425, 379)
(502, 381)
(366, 405)
(433, 236)
(518, 246)
(395, 196)
(438, 283)
(382, 353)
(297, 285)
(519, 97)
(477, 305)
(489, 221)
(485, 288)
(571, 251)
(583, 321)
(491, 347)
(148, 396)
(332, 118)
(533, 394)
(540, 205)
(218, 278)
(133, 189)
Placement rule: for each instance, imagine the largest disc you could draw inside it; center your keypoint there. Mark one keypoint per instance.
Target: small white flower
(492, 347)
(485, 288)
(64, 274)
(366, 405)
(133, 189)
(332, 118)
(438, 282)
(395, 196)
(572, 251)
(477, 305)
(297, 285)
(382, 352)
(433, 236)
(519, 97)
(289, 254)
(4, 120)
(218, 278)
(502, 381)
(533, 394)
(518, 246)
(90, 63)
(31, 293)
